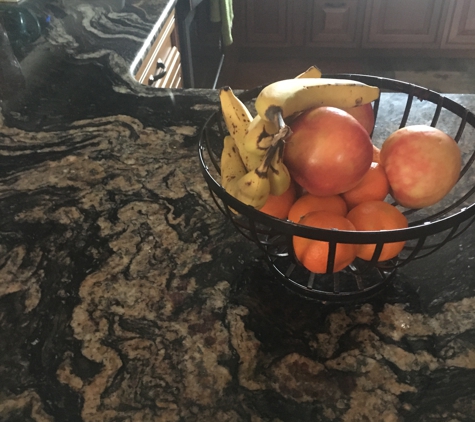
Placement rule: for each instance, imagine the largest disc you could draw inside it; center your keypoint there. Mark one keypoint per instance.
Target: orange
(376, 154)
(373, 187)
(375, 216)
(279, 206)
(313, 254)
(307, 203)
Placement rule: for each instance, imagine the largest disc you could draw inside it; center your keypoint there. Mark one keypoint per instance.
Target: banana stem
(277, 143)
(284, 130)
(277, 147)
(266, 162)
(279, 120)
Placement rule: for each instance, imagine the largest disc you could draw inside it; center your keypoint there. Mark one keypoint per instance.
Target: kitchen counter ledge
(126, 296)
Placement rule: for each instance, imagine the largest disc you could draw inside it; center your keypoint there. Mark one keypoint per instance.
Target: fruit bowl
(429, 228)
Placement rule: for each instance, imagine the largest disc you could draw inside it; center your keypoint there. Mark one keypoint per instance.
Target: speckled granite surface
(126, 296)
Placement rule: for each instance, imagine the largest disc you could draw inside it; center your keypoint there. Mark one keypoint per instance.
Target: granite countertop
(125, 295)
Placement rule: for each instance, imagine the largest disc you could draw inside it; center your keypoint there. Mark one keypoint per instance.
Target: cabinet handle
(160, 72)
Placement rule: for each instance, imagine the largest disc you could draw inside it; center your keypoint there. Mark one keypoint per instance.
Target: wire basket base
(345, 286)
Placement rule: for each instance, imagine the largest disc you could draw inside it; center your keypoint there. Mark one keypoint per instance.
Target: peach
(422, 164)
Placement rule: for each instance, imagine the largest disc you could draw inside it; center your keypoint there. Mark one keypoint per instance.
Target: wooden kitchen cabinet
(161, 68)
(287, 23)
(334, 23)
(460, 28)
(356, 27)
(264, 22)
(403, 23)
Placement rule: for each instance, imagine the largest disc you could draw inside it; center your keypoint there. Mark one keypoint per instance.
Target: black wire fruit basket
(429, 228)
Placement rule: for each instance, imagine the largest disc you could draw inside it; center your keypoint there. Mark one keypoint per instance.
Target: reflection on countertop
(125, 294)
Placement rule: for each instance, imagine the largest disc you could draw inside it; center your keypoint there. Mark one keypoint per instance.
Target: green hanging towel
(222, 11)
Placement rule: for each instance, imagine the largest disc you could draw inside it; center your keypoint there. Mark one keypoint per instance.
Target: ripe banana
(279, 176)
(293, 96)
(232, 167)
(259, 136)
(235, 113)
(237, 118)
(259, 133)
(253, 188)
(311, 72)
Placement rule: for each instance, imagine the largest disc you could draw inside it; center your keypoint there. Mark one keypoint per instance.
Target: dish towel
(222, 11)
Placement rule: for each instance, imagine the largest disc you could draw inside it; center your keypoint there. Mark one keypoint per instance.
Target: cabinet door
(460, 28)
(172, 78)
(267, 22)
(155, 61)
(403, 23)
(335, 23)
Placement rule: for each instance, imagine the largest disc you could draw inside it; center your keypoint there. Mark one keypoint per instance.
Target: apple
(364, 114)
(328, 152)
(422, 164)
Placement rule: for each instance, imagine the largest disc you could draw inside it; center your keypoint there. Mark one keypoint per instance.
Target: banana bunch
(252, 164)
(253, 171)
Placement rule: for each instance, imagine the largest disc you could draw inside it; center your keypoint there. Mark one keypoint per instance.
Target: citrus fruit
(313, 254)
(376, 154)
(373, 187)
(279, 206)
(308, 202)
(375, 216)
